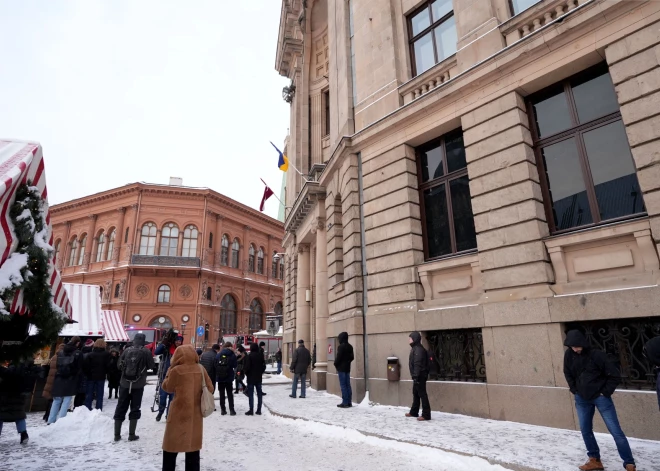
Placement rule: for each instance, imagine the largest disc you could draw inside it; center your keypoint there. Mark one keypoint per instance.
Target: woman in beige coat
(183, 433)
(50, 380)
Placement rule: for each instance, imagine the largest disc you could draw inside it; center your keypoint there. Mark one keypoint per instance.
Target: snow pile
(10, 275)
(365, 402)
(79, 428)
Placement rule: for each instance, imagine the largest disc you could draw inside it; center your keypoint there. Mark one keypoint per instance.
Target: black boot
(118, 430)
(159, 416)
(249, 413)
(132, 425)
(110, 394)
(24, 438)
(232, 412)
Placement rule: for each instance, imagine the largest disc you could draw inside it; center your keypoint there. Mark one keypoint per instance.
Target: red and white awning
(86, 303)
(112, 326)
(20, 162)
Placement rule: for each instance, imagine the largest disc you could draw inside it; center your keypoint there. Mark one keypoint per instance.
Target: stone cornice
(288, 44)
(311, 192)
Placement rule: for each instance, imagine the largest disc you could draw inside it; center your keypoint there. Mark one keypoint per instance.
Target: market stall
(113, 330)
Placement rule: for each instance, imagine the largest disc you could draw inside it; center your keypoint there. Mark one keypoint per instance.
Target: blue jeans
(346, 391)
(164, 399)
(605, 405)
(94, 387)
(303, 385)
(279, 367)
(250, 391)
(20, 426)
(59, 408)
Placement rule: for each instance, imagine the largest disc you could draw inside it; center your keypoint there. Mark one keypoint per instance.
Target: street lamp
(278, 255)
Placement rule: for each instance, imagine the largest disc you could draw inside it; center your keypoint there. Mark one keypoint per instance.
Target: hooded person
(133, 364)
(225, 367)
(185, 423)
(418, 363)
(255, 365)
(592, 379)
(95, 366)
(16, 382)
(343, 359)
(299, 365)
(652, 349)
(166, 349)
(65, 385)
(114, 375)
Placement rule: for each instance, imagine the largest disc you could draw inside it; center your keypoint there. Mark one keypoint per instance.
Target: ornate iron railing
(165, 261)
(623, 340)
(457, 355)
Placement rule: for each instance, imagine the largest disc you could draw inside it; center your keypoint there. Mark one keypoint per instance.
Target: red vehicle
(153, 337)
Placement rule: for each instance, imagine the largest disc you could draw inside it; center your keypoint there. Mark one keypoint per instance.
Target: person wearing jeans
(299, 365)
(95, 366)
(343, 360)
(255, 365)
(592, 378)
(65, 385)
(59, 408)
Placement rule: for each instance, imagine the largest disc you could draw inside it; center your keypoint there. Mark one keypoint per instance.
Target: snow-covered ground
(83, 440)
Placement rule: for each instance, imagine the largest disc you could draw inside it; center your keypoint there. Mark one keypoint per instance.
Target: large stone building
(171, 255)
(485, 172)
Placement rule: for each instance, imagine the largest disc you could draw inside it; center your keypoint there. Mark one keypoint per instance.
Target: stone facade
(361, 222)
(181, 280)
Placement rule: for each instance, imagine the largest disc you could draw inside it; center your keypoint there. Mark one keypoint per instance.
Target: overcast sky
(121, 91)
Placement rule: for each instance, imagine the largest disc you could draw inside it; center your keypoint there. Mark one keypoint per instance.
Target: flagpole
(262, 181)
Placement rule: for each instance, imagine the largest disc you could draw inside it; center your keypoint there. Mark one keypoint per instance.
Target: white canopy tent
(86, 303)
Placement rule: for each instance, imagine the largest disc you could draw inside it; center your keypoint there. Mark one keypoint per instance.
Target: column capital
(302, 248)
(93, 217)
(247, 228)
(121, 209)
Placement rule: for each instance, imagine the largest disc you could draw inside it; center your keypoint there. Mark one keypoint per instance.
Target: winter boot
(223, 412)
(110, 394)
(629, 467)
(132, 425)
(118, 430)
(25, 438)
(258, 412)
(593, 464)
(232, 412)
(159, 416)
(249, 413)
(408, 414)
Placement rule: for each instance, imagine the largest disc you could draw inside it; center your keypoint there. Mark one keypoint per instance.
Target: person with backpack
(207, 360)
(16, 382)
(418, 362)
(592, 379)
(114, 375)
(240, 370)
(652, 350)
(299, 365)
(255, 365)
(65, 385)
(225, 365)
(166, 350)
(343, 360)
(134, 364)
(95, 366)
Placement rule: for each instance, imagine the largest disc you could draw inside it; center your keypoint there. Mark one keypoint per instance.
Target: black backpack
(222, 367)
(134, 365)
(65, 367)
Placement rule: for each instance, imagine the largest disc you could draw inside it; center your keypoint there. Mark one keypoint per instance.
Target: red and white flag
(267, 194)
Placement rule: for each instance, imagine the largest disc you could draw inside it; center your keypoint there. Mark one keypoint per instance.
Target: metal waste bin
(393, 369)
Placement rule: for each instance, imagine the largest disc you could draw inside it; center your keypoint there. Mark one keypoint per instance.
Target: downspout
(365, 300)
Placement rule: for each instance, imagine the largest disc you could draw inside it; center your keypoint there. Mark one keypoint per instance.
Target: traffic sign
(200, 330)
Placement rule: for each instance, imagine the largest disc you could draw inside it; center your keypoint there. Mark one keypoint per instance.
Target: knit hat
(89, 343)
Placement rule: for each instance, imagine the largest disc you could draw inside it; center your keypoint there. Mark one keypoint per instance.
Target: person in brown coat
(48, 388)
(183, 433)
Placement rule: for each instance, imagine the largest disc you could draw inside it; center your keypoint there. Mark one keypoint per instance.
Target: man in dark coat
(225, 368)
(418, 362)
(278, 359)
(67, 378)
(114, 375)
(653, 353)
(134, 364)
(16, 382)
(255, 365)
(299, 365)
(343, 359)
(207, 360)
(592, 378)
(95, 366)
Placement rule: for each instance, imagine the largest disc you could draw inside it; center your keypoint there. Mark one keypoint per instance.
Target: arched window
(251, 259)
(190, 235)
(169, 240)
(260, 261)
(117, 288)
(274, 265)
(209, 292)
(256, 316)
(81, 249)
(58, 245)
(210, 240)
(164, 294)
(111, 244)
(281, 268)
(278, 308)
(100, 252)
(235, 252)
(162, 322)
(224, 255)
(228, 315)
(148, 239)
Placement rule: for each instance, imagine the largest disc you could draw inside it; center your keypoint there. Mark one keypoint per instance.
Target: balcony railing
(429, 80)
(163, 261)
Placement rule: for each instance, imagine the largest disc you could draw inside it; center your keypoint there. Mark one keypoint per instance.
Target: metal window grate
(457, 355)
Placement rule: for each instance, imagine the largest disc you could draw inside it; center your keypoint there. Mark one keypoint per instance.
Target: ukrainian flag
(283, 162)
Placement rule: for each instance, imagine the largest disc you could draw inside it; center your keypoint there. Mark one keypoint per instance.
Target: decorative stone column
(89, 248)
(321, 306)
(218, 241)
(302, 306)
(119, 237)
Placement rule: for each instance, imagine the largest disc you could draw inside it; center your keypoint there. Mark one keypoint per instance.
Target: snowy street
(365, 437)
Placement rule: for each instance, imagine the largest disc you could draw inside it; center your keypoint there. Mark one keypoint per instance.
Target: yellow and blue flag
(283, 163)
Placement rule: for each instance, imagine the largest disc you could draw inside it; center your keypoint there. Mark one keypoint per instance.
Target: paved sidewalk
(515, 446)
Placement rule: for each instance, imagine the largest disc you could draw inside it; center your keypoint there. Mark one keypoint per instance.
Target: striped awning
(20, 162)
(112, 327)
(86, 303)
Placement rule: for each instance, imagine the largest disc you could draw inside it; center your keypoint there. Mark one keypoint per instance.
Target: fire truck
(153, 337)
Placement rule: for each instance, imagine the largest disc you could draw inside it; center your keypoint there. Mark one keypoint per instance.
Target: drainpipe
(365, 300)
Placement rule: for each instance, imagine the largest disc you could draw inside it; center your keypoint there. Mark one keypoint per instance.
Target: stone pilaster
(302, 306)
(478, 35)
(119, 237)
(321, 306)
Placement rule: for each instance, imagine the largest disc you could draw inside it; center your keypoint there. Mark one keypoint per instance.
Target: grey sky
(120, 91)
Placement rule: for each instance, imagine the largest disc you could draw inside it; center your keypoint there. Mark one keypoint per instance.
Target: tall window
(235, 252)
(326, 120)
(251, 258)
(224, 255)
(260, 261)
(445, 194)
(81, 249)
(274, 265)
(117, 289)
(586, 168)
(164, 292)
(58, 245)
(256, 316)
(228, 315)
(278, 309)
(169, 240)
(74, 252)
(190, 236)
(210, 240)
(432, 33)
(111, 244)
(148, 239)
(100, 248)
(518, 6)
(281, 268)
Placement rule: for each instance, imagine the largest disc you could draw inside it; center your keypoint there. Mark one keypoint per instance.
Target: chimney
(176, 181)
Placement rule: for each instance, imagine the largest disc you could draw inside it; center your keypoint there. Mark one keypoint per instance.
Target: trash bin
(393, 369)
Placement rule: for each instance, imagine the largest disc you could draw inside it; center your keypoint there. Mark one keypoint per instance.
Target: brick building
(485, 172)
(171, 255)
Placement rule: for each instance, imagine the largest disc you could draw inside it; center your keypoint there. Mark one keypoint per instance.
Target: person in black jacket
(207, 360)
(299, 365)
(114, 375)
(95, 366)
(278, 359)
(418, 362)
(592, 378)
(225, 366)
(343, 360)
(255, 365)
(16, 382)
(65, 386)
(652, 349)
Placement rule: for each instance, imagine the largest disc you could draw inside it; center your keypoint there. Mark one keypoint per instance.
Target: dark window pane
(445, 38)
(432, 163)
(466, 237)
(440, 8)
(570, 205)
(420, 21)
(424, 57)
(551, 112)
(595, 98)
(437, 221)
(613, 172)
(521, 5)
(455, 152)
